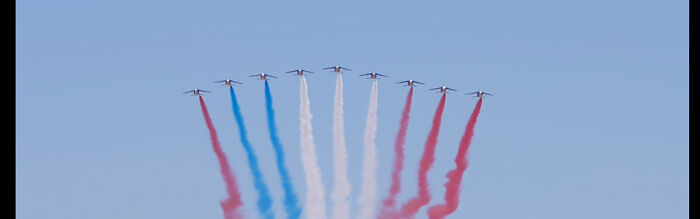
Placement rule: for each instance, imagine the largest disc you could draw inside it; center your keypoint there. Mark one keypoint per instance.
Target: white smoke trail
(341, 208)
(369, 181)
(315, 206)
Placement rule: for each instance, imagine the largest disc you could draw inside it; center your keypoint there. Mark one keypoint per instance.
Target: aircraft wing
(254, 75)
(307, 71)
(219, 81)
(402, 82)
(366, 74)
(236, 82)
(329, 67)
(271, 76)
(418, 82)
(345, 68)
(382, 75)
(188, 92)
(450, 89)
(472, 93)
(488, 94)
(435, 88)
(204, 91)
(291, 71)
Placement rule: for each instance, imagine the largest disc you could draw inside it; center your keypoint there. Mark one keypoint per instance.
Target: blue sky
(590, 117)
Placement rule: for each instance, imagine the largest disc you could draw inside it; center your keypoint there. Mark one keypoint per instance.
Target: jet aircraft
(410, 83)
(480, 94)
(373, 75)
(263, 76)
(196, 92)
(336, 68)
(299, 72)
(443, 89)
(228, 82)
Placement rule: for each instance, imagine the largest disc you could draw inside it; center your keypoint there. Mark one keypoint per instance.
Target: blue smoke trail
(264, 200)
(290, 199)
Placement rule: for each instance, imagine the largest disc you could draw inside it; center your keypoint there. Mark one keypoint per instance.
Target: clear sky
(590, 117)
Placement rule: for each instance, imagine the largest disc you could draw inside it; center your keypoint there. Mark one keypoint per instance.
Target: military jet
(336, 68)
(196, 92)
(443, 89)
(263, 76)
(373, 75)
(410, 83)
(479, 94)
(299, 72)
(228, 82)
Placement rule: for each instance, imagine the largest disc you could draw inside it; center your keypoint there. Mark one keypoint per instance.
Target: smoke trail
(409, 209)
(455, 176)
(341, 208)
(264, 200)
(315, 203)
(290, 199)
(369, 181)
(230, 205)
(388, 203)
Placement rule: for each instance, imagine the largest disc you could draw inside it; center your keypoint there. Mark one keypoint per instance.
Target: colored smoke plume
(410, 208)
(455, 176)
(290, 198)
(369, 180)
(264, 202)
(233, 203)
(395, 188)
(342, 188)
(315, 204)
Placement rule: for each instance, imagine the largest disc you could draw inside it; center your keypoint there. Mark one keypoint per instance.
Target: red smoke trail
(409, 209)
(455, 176)
(230, 205)
(395, 188)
